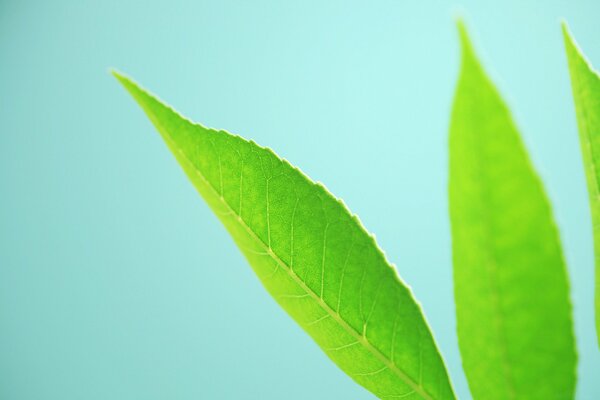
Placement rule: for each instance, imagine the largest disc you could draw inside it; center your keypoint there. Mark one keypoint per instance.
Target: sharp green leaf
(513, 310)
(585, 82)
(312, 255)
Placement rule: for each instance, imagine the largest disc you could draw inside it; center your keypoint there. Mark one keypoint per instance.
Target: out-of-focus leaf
(585, 82)
(515, 328)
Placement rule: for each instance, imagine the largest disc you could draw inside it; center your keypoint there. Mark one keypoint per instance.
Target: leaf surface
(312, 255)
(511, 289)
(585, 82)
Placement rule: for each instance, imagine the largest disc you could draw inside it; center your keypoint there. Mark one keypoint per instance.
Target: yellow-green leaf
(585, 82)
(312, 255)
(515, 328)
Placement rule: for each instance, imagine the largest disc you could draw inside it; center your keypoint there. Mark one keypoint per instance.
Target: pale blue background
(117, 282)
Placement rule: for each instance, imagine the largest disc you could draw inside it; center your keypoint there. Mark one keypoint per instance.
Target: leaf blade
(312, 255)
(585, 83)
(515, 341)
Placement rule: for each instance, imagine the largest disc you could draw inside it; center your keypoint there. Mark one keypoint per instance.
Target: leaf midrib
(359, 337)
(492, 267)
(492, 262)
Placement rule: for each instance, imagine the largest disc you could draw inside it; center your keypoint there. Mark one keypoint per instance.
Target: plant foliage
(312, 255)
(316, 259)
(513, 311)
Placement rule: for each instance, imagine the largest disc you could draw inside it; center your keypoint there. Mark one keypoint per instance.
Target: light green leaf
(312, 255)
(513, 310)
(586, 92)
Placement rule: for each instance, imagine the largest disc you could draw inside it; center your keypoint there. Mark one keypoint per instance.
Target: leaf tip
(123, 79)
(116, 73)
(465, 42)
(139, 94)
(568, 37)
(469, 59)
(574, 50)
(461, 25)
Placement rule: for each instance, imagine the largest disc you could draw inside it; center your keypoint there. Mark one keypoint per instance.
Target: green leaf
(586, 92)
(312, 255)
(515, 328)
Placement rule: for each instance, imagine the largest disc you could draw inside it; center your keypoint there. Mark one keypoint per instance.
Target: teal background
(117, 282)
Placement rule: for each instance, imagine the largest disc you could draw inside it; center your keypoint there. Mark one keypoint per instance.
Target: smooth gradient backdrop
(117, 282)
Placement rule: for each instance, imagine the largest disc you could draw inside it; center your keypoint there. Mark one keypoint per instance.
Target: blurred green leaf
(312, 255)
(513, 310)
(585, 82)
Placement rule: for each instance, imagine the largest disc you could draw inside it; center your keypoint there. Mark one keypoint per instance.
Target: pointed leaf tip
(567, 36)
(125, 81)
(564, 26)
(462, 29)
(466, 46)
(117, 74)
